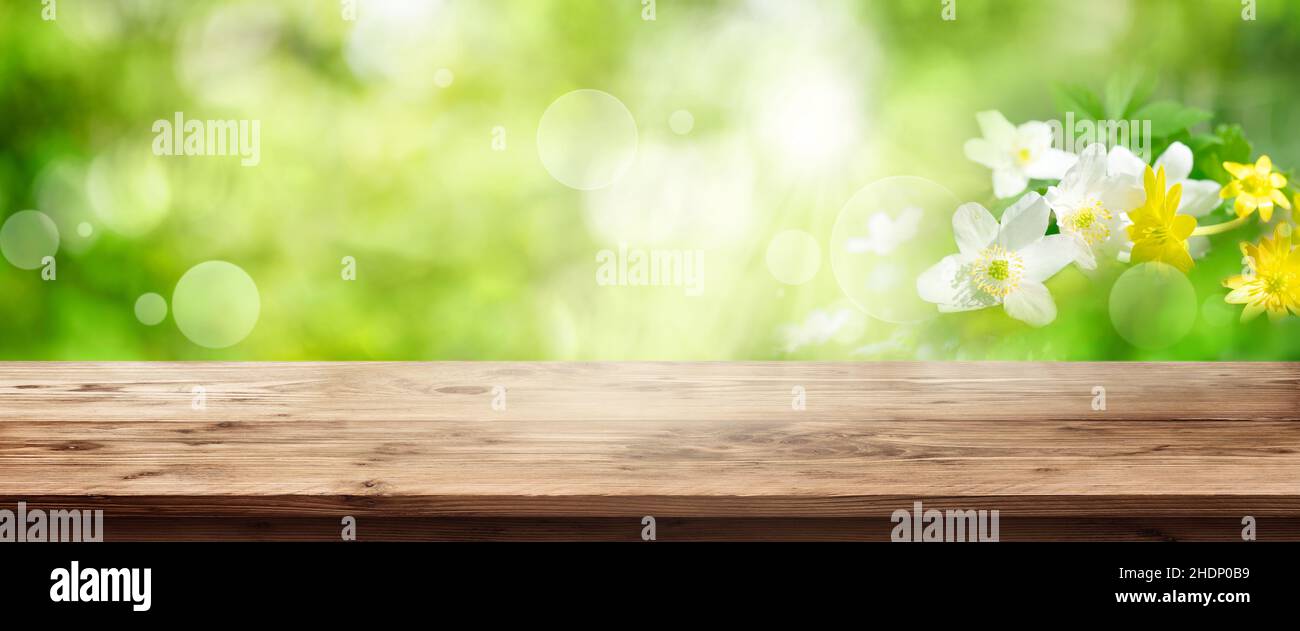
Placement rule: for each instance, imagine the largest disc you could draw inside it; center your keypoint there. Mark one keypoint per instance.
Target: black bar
(855, 579)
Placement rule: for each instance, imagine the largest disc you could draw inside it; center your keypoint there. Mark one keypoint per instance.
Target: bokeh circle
(681, 122)
(587, 139)
(1218, 313)
(27, 237)
(129, 190)
(216, 304)
(886, 235)
(150, 309)
(1153, 305)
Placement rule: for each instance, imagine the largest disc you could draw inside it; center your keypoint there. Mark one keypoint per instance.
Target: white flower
(1000, 264)
(1016, 154)
(1200, 197)
(1091, 206)
(884, 235)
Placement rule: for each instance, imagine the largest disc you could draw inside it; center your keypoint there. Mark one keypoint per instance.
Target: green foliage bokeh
(464, 252)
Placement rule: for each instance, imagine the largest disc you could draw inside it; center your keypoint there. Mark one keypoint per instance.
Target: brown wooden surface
(712, 450)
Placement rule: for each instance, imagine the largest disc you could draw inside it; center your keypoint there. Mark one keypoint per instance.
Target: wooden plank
(507, 458)
(414, 445)
(604, 391)
(1225, 529)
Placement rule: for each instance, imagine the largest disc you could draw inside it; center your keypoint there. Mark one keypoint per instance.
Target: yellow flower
(1272, 282)
(1255, 186)
(1158, 232)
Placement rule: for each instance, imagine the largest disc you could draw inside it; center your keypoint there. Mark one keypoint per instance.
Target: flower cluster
(1110, 206)
(1272, 281)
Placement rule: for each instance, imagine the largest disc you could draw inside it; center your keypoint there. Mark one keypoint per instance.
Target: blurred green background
(752, 118)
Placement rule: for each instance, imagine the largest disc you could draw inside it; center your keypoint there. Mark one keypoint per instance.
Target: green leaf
(1235, 146)
(1209, 166)
(1229, 144)
(1141, 94)
(1170, 117)
(1203, 142)
(1078, 99)
(1126, 92)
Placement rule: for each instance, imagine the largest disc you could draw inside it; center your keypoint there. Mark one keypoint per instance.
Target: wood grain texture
(670, 529)
(1182, 450)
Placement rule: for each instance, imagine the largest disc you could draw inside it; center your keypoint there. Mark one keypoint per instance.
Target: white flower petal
(1121, 193)
(1120, 241)
(1049, 255)
(1008, 181)
(1199, 197)
(982, 151)
(1024, 222)
(939, 283)
(1090, 170)
(948, 284)
(1121, 161)
(974, 228)
(1060, 199)
(1084, 256)
(1177, 161)
(1034, 135)
(996, 128)
(1051, 164)
(1032, 304)
(1198, 247)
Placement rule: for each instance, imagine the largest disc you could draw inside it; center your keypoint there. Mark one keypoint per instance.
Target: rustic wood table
(544, 451)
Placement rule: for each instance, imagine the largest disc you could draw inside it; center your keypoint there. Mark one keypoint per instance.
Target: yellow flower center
(1090, 222)
(1257, 186)
(1159, 233)
(1276, 284)
(998, 271)
(1024, 155)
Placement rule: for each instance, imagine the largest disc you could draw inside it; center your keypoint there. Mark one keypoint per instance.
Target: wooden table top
(713, 450)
